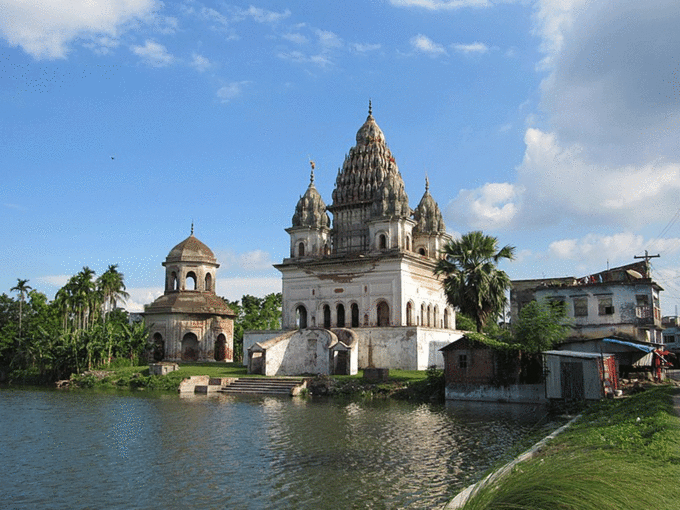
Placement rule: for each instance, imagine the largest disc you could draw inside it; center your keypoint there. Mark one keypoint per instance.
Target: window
(326, 316)
(581, 307)
(301, 317)
(382, 241)
(604, 306)
(462, 361)
(301, 249)
(355, 315)
(340, 311)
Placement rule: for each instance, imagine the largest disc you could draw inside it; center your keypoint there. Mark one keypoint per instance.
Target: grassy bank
(621, 455)
(407, 384)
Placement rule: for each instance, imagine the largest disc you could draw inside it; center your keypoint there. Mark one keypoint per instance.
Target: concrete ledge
(520, 393)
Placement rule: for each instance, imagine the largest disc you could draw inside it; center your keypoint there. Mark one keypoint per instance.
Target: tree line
(80, 329)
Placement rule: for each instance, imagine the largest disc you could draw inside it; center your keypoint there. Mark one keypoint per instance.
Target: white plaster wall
(527, 393)
(250, 338)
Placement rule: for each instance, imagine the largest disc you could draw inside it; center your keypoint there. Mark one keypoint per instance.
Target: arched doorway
(221, 348)
(383, 314)
(158, 347)
(340, 310)
(326, 316)
(301, 317)
(190, 347)
(355, 315)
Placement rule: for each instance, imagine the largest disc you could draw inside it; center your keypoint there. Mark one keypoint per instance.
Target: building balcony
(647, 316)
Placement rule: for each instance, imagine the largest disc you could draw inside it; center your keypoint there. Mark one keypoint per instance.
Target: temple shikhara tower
(360, 291)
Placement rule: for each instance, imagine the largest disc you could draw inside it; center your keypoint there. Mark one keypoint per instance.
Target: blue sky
(551, 124)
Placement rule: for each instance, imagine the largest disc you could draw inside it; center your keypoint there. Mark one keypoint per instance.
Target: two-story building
(614, 311)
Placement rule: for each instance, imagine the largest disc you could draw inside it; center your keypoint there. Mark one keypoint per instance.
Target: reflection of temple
(363, 289)
(189, 321)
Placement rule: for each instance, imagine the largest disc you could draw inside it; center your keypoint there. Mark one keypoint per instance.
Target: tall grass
(622, 455)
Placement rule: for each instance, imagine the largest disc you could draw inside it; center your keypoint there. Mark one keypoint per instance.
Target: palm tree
(22, 289)
(472, 282)
(112, 288)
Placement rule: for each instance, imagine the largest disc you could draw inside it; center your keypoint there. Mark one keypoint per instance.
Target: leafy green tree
(541, 325)
(111, 285)
(254, 313)
(472, 282)
(22, 289)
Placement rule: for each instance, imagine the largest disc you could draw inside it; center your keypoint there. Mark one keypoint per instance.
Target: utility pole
(647, 256)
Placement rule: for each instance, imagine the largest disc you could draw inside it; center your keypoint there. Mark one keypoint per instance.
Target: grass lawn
(137, 377)
(621, 455)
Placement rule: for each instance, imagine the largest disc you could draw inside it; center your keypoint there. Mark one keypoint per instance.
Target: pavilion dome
(191, 250)
(310, 210)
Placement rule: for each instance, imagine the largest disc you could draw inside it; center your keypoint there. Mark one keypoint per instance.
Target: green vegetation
(541, 325)
(472, 281)
(253, 313)
(622, 454)
(42, 341)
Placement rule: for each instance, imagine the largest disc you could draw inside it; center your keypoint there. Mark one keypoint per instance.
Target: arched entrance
(383, 314)
(158, 347)
(355, 315)
(221, 348)
(190, 347)
(340, 310)
(301, 317)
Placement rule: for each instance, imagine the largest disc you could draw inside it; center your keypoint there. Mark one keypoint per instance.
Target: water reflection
(96, 450)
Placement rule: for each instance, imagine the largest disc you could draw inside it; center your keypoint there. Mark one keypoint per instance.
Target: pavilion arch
(158, 347)
(301, 317)
(191, 282)
(340, 315)
(382, 241)
(174, 281)
(354, 313)
(327, 316)
(301, 249)
(190, 350)
(221, 347)
(208, 282)
(383, 313)
(410, 319)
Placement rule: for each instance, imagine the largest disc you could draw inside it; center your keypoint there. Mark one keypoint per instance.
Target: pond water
(86, 449)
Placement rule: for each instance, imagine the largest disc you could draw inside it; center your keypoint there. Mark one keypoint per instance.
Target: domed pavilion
(189, 321)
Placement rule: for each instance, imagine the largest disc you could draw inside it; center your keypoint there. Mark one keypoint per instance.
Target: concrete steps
(265, 386)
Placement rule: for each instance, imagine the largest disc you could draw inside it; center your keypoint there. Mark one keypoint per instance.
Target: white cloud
(492, 206)
(301, 58)
(235, 288)
(328, 39)
(231, 91)
(296, 38)
(364, 48)
(468, 49)
(425, 45)
(58, 280)
(256, 260)
(442, 5)
(141, 296)
(44, 29)
(594, 249)
(199, 62)
(153, 54)
(262, 15)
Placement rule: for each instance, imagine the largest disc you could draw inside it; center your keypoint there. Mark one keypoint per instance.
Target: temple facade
(189, 322)
(369, 272)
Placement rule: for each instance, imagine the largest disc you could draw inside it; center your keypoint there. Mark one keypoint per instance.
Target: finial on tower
(311, 175)
(427, 184)
(192, 227)
(370, 109)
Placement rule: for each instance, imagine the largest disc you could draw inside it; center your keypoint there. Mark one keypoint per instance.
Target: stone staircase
(265, 386)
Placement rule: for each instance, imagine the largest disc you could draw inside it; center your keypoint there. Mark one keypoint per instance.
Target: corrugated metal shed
(576, 375)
